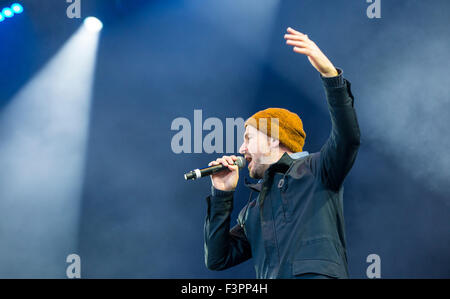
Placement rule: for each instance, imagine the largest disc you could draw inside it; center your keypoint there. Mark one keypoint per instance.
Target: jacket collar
(255, 187)
(281, 166)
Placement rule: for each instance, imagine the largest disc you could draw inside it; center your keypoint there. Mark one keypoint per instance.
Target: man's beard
(255, 174)
(257, 171)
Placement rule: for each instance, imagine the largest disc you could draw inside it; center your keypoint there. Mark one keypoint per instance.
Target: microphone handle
(200, 173)
(212, 170)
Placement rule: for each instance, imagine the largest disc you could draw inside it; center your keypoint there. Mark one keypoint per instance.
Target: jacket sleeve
(339, 152)
(224, 248)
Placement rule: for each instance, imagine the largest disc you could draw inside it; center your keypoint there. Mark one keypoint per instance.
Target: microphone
(200, 173)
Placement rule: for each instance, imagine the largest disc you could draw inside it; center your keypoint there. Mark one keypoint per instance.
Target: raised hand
(303, 45)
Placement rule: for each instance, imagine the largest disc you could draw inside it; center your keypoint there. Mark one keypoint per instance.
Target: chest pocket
(286, 205)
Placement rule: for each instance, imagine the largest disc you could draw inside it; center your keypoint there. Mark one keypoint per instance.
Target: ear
(274, 142)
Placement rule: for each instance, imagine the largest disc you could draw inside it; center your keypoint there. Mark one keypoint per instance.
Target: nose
(242, 149)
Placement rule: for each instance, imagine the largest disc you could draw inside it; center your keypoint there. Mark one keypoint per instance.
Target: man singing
(295, 226)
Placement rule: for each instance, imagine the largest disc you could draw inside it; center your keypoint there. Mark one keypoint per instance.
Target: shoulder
(306, 163)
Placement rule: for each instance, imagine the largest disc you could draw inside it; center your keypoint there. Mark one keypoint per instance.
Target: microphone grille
(240, 162)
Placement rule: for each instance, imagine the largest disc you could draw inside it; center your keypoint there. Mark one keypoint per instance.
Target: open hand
(303, 45)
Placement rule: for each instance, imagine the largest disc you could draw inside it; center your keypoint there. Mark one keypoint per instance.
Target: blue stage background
(160, 60)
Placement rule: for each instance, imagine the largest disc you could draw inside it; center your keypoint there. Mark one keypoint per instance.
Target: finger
(223, 161)
(229, 160)
(232, 167)
(234, 157)
(305, 51)
(293, 31)
(296, 37)
(213, 163)
(298, 44)
(217, 162)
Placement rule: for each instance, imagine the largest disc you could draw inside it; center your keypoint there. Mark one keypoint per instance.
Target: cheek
(256, 149)
(253, 148)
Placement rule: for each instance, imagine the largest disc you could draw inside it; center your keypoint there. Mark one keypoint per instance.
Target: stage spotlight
(44, 132)
(17, 8)
(93, 24)
(1, 17)
(7, 12)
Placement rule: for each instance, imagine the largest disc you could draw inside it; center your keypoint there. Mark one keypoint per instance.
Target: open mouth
(249, 161)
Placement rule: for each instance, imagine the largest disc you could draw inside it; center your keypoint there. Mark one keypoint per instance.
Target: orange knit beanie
(290, 127)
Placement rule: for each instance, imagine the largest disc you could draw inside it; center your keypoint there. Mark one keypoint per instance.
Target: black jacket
(296, 224)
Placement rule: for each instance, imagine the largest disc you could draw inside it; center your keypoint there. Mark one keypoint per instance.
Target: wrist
(334, 82)
(331, 73)
(221, 193)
